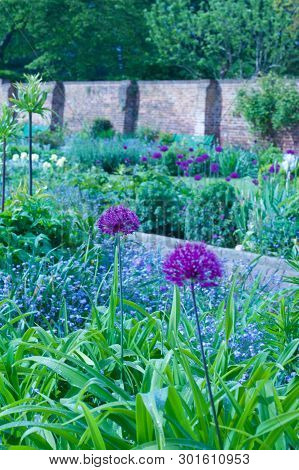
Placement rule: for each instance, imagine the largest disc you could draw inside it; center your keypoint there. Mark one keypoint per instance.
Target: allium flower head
(143, 158)
(290, 151)
(125, 147)
(191, 149)
(218, 148)
(118, 219)
(197, 177)
(192, 262)
(214, 167)
(255, 181)
(228, 178)
(234, 175)
(163, 148)
(180, 155)
(157, 155)
(204, 157)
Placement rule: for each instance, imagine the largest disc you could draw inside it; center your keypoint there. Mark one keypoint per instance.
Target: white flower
(289, 162)
(53, 157)
(47, 165)
(239, 248)
(24, 155)
(15, 157)
(60, 162)
(35, 157)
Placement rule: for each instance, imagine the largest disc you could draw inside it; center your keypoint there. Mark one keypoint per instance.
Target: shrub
(210, 215)
(271, 107)
(54, 139)
(160, 205)
(101, 128)
(34, 226)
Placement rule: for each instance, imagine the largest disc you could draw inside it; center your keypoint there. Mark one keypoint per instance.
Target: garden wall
(196, 107)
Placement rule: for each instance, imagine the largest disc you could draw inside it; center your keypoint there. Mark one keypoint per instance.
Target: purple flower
(255, 181)
(205, 157)
(228, 178)
(125, 147)
(234, 175)
(218, 148)
(192, 262)
(163, 148)
(118, 219)
(214, 167)
(191, 149)
(199, 159)
(197, 177)
(143, 158)
(291, 152)
(274, 168)
(265, 177)
(189, 161)
(254, 162)
(157, 155)
(222, 216)
(180, 156)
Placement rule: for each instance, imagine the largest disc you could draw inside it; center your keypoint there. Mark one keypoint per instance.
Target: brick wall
(188, 106)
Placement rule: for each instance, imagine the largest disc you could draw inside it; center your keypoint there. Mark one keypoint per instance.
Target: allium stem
(3, 174)
(120, 269)
(30, 153)
(205, 366)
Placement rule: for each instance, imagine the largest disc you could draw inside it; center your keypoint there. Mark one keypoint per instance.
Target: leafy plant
(30, 98)
(271, 107)
(210, 215)
(8, 129)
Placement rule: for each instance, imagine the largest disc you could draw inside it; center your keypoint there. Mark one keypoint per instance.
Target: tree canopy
(147, 39)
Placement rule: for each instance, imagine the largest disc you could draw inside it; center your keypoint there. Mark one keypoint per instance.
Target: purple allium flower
(125, 147)
(180, 155)
(205, 157)
(189, 161)
(157, 155)
(228, 178)
(143, 158)
(214, 167)
(218, 148)
(191, 149)
(254, 162)
(291, 152)
(192, 262)
(255, 181)
(222, 216)
(274, 168)
(118, 219)
(234, 175)
(163, 148)
(265, 177)
(199, 159)
(197, 177)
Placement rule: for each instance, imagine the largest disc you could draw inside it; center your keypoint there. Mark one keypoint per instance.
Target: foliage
(162, 402)
(101, 128)
(271, 107)
(34, 226)
(160, 205)
(210, 215)
(272, 222)
(52, 138)
(195, 37)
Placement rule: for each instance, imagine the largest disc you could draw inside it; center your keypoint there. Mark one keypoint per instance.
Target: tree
(270, 107)
(31, 100)
(223, 39)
